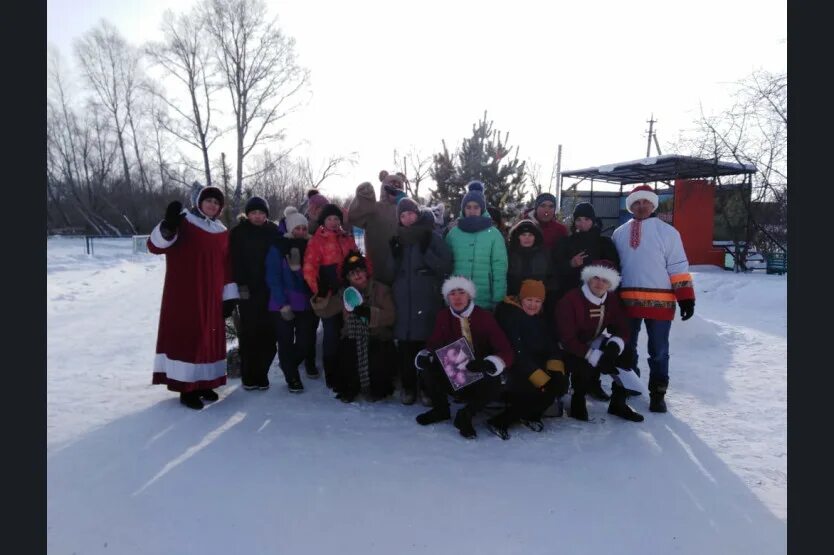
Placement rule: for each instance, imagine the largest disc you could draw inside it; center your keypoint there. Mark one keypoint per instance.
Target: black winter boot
(463, 422)
(434, 415)
(191, 400)
(500, 423)
(618, 406)
(578, 409)
(209, 395)
(657, 392)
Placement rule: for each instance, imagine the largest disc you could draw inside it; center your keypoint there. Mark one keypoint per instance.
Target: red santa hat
(604, 269)
(641, 192)
(458, 282)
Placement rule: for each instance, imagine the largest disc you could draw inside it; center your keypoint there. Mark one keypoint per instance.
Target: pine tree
(484, 156)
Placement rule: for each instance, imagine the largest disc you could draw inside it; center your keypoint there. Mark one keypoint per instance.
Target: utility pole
(556, 175)
(651, 123)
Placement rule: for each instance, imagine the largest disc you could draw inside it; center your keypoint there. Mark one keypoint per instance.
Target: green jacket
(482, 257)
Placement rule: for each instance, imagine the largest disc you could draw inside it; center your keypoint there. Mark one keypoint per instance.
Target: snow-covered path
(131, 471)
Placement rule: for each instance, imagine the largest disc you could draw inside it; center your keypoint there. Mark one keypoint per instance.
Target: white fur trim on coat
(159, 241)
(618, 342)
(650, 196)
(499, 364)
(230, 291)
(603, 272)
(458, 282)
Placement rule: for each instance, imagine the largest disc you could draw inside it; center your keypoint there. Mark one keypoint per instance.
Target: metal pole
(651, 123)
(559, 179)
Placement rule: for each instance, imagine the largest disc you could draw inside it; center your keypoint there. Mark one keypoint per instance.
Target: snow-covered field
(131, 471)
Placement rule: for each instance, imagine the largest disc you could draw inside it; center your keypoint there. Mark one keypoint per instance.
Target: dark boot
(310, 368)
(331, 367)
(578, 409)
(657, 392)
(534, 423)
(209, 395)
(434, 415)
(191, 400)
(463, 422)
(500, 423)
(618, 406)
(595, 390)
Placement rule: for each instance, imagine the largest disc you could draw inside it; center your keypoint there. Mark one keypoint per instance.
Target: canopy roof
(662, 168)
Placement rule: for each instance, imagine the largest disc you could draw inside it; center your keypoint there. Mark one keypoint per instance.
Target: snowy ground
(131, 471)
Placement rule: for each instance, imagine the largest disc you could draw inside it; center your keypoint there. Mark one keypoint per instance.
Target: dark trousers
(476, 395)
(310, 356)
(582, 374)
(295, 337)
(381, 356)
(407, 351)
(332, 328)
(256, 342)
(528, 401)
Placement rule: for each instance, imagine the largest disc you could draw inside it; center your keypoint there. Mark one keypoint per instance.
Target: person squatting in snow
(197, 296)
(593, 331)
(493, 353)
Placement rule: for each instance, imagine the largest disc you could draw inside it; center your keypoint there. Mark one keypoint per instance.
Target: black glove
(425, 241)
(363, 311)
(396, 247)
(228, 307)
(173, 216)
(481, 365)
(687, 308)
(609, 357)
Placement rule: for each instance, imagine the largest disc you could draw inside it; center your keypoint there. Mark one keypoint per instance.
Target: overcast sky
(587, 75)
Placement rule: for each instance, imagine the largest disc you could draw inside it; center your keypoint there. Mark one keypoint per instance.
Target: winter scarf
(473, 224)
(357, 329)
(414, 233)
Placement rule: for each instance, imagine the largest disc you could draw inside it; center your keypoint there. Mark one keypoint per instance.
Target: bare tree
(415, 165)
(315, 177)
(751, 131)
(258, 65)
(184, 55)
(102, 54)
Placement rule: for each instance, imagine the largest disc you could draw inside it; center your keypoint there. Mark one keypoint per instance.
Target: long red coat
(191, 341)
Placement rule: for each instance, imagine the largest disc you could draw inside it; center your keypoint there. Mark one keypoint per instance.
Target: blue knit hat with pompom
(475, 193)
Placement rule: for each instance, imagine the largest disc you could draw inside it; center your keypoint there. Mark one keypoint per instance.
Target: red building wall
(694, 216)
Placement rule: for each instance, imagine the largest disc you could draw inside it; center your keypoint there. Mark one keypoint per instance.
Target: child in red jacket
(322, 270)
(593, 332)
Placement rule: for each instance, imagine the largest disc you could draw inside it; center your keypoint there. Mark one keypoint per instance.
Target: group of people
(543, 310)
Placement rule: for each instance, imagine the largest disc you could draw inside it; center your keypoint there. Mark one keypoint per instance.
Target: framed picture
(453, 359)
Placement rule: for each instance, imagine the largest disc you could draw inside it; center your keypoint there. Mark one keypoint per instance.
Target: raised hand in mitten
(294, 259)
(609, 357)
(228, 307)
(396, 246)
(481, 365)
(173, 217)
(687, 308)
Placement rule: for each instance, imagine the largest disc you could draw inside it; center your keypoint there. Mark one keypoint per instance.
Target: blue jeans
(658, 331)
